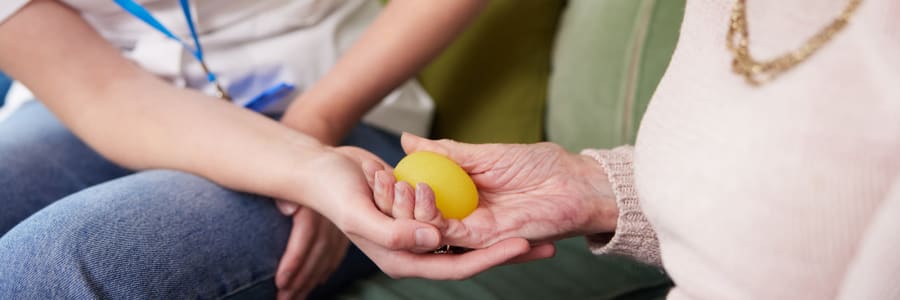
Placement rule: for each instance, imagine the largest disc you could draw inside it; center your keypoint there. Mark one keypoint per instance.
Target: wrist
(316, 180)
(295, 172)
(599, 197)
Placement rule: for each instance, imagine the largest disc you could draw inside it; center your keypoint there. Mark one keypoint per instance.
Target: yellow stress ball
(454, 192)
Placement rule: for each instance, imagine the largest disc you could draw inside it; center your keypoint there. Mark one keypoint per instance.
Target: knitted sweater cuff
(634, 236)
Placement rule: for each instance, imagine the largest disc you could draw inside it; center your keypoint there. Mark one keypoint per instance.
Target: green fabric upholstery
(609, 57)
(490, 85)
(574, 273)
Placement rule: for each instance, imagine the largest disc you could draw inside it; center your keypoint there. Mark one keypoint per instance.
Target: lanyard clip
(220, 92)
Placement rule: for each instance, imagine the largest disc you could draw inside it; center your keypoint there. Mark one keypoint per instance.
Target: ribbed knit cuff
(634, 236)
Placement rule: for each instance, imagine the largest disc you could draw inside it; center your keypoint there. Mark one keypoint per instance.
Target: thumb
(461, 153)
(395, 234)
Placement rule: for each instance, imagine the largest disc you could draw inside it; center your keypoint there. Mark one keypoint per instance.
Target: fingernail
(377, 184)
(369, 169)
(420, 190)
(287, 208)
(397, 193)
(291, 210)
(425, 238)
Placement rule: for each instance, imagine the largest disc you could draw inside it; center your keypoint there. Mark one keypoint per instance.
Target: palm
(525, 191)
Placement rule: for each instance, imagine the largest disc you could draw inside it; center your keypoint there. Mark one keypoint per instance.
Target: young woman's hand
(539, 192)
(315, 249)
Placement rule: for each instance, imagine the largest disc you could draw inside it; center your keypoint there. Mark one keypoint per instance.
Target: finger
(369, 169)
(335, 252)
(425, 207)
(456, 151)
(388, 233)
(537, 252)
(403, 201)
(287, 208)
(472, 232)
(452, 267)
(307, 278)
(285, 295)
(302, 233)
(342, 245)
(412, 143)
(384, 192)
(365, 221)
(333, 267)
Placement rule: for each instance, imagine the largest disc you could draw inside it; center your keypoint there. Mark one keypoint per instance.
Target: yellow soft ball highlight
(454, 192)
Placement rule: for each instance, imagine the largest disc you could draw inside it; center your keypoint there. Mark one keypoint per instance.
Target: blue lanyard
(257, 103)
(141, 13)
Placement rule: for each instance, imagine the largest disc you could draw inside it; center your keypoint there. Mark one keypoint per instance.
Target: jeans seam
(247, 286)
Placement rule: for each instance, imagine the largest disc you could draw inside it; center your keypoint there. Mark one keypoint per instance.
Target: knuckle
(446, 141)
(446, 144)
(551, 147)
(281, 282)
(395, 241)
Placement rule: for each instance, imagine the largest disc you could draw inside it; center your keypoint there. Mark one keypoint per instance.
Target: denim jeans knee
(154, 234)
(41, 161)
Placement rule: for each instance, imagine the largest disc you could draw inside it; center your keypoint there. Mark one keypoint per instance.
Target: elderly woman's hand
(539, 192)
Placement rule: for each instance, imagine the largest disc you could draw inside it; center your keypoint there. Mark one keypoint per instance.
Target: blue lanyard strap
(186, 8)
(143, 14)
(256, 103)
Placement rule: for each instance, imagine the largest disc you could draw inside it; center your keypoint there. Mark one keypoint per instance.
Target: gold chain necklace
(757, 72)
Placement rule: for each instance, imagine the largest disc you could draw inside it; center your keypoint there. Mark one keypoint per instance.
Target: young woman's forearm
(138, 120)
(402, 40)
(165, 127)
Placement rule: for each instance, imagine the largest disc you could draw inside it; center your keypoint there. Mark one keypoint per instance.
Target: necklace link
(757, 72)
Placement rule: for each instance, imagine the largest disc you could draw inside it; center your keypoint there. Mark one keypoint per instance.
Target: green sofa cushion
(490, 85)
(574, 273)
(609, 57)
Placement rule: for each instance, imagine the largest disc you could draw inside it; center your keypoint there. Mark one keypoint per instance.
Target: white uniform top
(295, 41)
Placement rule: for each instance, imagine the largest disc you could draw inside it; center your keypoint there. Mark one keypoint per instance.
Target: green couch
(578, 73)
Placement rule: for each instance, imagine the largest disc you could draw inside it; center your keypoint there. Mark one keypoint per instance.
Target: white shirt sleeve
(10, 7)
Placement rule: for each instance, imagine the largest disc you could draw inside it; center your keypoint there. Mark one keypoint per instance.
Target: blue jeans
(75, 225)
(5, 82)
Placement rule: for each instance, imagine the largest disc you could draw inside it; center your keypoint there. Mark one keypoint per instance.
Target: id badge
(263, 90)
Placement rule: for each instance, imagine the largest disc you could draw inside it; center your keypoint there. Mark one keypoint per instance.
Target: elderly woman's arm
(633, 235)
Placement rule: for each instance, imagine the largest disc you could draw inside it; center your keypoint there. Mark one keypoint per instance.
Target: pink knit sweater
(790, 190)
